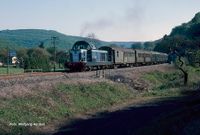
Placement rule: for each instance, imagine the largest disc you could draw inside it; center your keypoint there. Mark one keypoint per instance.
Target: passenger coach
(85, 56)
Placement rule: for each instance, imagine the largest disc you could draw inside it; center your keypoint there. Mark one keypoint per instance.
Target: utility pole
(8, 56)
(54, 46)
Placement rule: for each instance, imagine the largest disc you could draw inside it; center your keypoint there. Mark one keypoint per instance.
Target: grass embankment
(186, 118)
(171, 83)
(64, 101)
(61, 102)
(11, 70)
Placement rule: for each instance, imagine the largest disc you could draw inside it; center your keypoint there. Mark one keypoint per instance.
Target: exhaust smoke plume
(130, 20)
(89, 27)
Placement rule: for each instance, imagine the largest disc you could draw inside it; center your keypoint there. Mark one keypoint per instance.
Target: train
(84, 56)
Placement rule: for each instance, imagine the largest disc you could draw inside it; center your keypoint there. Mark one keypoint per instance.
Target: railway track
(74, 74)
(24, 75)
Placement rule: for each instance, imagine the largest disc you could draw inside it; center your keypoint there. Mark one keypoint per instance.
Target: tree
(181, 68)
(176, 45)
(149, 45)
(61, 58)
(3, 55)
(51, 51)
(137, 46)
(180, 52)
(41, 45)
(113, 45)
(22, 55)
(37, 59)
(194, 57)
(184, 42)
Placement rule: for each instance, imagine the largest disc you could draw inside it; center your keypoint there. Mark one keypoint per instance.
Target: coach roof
(116, 48)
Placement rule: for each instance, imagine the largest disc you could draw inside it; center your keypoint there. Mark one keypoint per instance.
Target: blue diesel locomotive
(85, 56)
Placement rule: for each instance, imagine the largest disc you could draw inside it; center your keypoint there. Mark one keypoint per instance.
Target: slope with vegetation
(45, 104)
(184, 39)
(35, 49)
(52, 101)
(30, 38)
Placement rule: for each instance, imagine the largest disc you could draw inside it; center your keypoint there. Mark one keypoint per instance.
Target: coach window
(117, 53)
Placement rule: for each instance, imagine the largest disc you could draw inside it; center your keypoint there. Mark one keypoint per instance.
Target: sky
(109, 20)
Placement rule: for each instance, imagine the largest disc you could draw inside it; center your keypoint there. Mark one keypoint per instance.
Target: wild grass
(11, 70)
(184, 120)
(171, 83)
(62, 102)
(66, 100)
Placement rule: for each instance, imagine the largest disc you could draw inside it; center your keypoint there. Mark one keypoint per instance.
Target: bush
(37, 59)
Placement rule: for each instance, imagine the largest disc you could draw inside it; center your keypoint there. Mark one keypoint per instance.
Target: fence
(10, 70)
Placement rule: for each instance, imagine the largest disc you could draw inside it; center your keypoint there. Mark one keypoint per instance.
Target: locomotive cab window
(103, 57)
